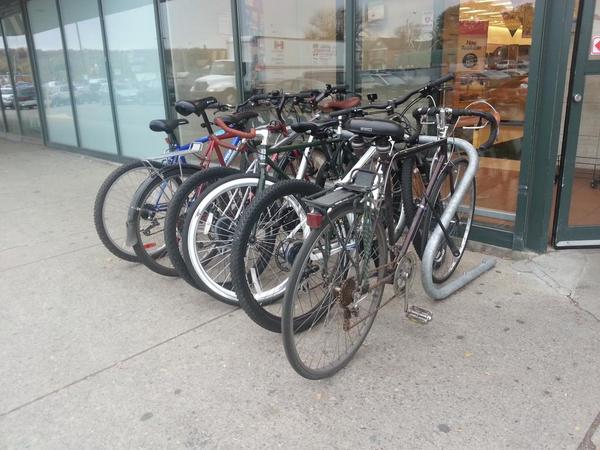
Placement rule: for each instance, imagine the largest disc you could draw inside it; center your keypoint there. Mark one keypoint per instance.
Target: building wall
(105, 68)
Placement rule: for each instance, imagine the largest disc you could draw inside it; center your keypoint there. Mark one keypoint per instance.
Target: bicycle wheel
(265, 243)
(147, 217)
(208, 233)
(185, 196)
(335, 284)
(112, 206)
(444, 262)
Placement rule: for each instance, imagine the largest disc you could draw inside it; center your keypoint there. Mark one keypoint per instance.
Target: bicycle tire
(99, 209)
(156, 260)
(299, 274)
(176, 214)
(244, 243)
(220, 291)
(429, 224)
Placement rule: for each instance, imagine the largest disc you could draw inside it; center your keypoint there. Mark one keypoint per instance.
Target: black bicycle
(336, 284)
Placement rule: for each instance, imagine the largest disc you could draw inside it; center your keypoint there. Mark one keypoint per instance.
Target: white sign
(427, 21)
(595, 51)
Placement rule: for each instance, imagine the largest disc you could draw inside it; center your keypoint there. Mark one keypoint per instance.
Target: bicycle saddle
(238, 118)
(168, 126)
(375, 127)
(336, 105)
(313, 128)
(187, 107)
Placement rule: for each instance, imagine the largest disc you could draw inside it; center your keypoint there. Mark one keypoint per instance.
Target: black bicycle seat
(167, 126)
(187, 107)
(375, 127)
(314, 128)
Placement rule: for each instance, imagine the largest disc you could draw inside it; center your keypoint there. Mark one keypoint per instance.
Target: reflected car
(59, 95)
(387, 85)
(8, 98)
(124, 93)
(26, 95)
(219, 82)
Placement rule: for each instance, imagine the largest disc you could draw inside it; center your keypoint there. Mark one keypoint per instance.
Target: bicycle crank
(403, 278)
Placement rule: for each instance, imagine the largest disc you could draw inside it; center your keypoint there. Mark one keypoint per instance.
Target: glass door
(578, 213)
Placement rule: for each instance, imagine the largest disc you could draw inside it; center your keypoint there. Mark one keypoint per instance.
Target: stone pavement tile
(573, 273)
(68, 316)
(506, 363)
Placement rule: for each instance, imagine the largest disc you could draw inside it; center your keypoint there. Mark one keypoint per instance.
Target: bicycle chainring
(404, 274)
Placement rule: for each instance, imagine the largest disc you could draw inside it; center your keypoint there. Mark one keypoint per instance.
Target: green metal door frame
(564, 234)
(547, 75)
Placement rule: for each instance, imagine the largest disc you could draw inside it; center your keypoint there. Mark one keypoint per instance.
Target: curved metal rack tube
(441, 291)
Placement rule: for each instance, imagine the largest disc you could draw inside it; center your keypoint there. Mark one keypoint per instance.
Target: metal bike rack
(441, 291)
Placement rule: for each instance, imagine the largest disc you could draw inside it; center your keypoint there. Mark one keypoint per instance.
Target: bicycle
(211, 221)
(114, 196)
(272, 230)
(337, 280)
(147, 213)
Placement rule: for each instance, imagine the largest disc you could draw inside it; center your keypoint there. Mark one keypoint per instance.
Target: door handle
(577, 98)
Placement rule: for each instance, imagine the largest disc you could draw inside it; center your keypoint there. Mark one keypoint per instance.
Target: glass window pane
(83, 37)
(135, 72)
(585, 195)
(200, 58)
(24, 95)
(52, 71)
(402, 45)
(291, 44)
(595, 44)
(4, 79)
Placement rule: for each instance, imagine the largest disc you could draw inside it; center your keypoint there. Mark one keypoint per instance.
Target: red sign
(595, 51)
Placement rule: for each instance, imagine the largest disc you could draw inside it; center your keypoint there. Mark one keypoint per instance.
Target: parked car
(385, 84)
(58, 95)
(26, 95)
(219, 82)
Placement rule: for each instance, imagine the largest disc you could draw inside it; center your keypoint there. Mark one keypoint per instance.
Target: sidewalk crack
(104, 369)
(538, 272)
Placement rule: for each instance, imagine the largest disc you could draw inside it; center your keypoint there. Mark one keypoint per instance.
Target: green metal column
(350, 47)
(547, 74)
(237, 50)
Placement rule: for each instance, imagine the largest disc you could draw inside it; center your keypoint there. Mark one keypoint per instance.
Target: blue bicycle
(112, 205)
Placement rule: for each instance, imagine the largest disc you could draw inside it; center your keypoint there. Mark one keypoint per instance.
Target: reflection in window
(136, 78)
(291, 45)
(201, 58)
(486, 44)
(52, 71)
(21, 94)
(83, 39)
(4, 86)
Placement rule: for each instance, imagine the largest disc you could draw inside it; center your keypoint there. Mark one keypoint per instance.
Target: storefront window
(200, 59)
(136, 77)
(21, 93)
(83, 38)
(52, 71)
(4, 80)
(402, 45)
(291, 44)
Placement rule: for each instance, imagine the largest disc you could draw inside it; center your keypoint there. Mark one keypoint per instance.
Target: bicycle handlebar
(241, 134)
(390, 104)
(419, 112)
(425, 89)
(483, 115)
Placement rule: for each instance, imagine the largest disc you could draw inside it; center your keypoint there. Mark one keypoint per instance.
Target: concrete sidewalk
(99, 353)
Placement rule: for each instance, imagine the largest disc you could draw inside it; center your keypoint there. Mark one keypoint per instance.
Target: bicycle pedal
(419, 315)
